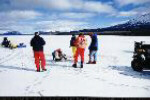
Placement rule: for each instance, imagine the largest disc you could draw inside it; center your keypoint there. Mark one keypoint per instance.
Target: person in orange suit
(80, 43)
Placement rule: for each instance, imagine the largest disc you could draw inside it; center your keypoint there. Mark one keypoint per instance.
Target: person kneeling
(7, 43)
(58, 55)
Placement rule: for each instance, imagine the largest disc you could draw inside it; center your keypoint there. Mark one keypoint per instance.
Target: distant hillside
(12, 33)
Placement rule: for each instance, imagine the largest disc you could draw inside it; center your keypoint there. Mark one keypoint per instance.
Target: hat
(36, 33)
(5, 38)
(80, 33)
(90, 33)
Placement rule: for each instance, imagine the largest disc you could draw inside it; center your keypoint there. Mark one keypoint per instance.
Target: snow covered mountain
(144, 19)
(140, 23)
(137, 26)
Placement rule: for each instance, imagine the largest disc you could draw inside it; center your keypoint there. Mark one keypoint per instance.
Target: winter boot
(89, 62)
(38, 70)
(94, 62)
(74, 65)
(81, 64)
(64, 56)
(44, 69)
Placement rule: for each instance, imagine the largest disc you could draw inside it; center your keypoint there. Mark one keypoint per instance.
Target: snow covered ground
(112, 76)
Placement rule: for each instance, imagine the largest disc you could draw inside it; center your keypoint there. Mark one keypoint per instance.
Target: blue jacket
(94, 42)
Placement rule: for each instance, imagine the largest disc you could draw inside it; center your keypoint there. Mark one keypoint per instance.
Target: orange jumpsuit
(81, 43)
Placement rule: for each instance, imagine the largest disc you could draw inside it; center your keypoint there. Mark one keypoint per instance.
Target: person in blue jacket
(93, 48)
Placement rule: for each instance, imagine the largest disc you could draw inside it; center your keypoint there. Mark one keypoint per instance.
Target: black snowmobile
(141, 56)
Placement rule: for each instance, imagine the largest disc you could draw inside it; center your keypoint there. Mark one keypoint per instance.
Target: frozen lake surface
(112, 76)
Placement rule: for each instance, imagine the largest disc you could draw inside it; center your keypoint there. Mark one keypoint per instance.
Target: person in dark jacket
(72, 44)
(93, 48)
(6, 42)
(37, 43)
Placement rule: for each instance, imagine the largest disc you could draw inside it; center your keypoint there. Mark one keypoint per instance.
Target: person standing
(93, 48)
(37, 43)
(72, 44)
(80, 43)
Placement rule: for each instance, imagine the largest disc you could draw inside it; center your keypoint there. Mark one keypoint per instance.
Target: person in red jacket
(80, 43)
(37, 43)
(58, 55)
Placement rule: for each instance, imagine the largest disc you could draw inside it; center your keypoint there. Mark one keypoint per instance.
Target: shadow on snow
(128, 71)
(16, 68)
(128, 51)
(65, 63)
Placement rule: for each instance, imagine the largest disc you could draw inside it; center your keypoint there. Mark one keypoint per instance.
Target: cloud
(23, 27)
(60, 5)
(49, 25)
(134, 2)
(53, 15)
(18, 20)
(19, 15)
(127, 13)
(119, 22)
(34, 4)
(60, 25)
(142, 10)
(134, 12)
(77, 15)
(98, 7)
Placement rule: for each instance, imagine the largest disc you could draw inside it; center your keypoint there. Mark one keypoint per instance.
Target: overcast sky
(28, 16)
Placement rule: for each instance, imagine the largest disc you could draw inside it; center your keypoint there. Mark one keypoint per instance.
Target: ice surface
(112, 76)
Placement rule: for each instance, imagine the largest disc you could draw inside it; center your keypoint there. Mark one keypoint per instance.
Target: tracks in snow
(33, 88)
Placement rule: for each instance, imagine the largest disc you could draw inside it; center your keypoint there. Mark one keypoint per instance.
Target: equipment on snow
(21, 45)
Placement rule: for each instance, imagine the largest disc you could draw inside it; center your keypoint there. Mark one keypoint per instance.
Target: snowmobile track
(9, 57)
(38, 81)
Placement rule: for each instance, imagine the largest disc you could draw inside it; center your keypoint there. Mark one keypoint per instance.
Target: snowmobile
(141, 56)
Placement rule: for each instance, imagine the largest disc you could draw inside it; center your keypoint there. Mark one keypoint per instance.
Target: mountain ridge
(136, 26)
